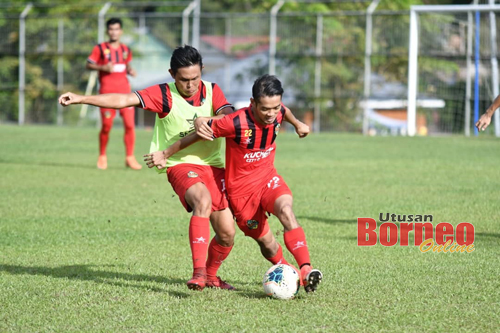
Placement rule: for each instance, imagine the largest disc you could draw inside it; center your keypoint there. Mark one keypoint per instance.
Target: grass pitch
(107, 251)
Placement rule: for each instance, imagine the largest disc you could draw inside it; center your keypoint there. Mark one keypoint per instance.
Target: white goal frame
(413, 58)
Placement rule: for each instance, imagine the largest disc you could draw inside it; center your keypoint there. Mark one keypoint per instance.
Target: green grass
(107, 251)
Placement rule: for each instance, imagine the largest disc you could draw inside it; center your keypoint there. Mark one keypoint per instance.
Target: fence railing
(342, 71)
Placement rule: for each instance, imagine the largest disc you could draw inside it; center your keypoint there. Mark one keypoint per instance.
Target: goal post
(447, 58)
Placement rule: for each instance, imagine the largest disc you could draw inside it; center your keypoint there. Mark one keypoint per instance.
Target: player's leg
(107, 117)
(187, 182)
(252, 220)
(128, 116)
(271, 249)
(295, 241)
(198, 198)
(277, 199)
(294, 236)
(222, 222)
(220, 247)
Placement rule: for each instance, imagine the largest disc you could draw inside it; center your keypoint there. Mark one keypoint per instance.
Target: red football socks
(295, 241)
(216, 255)
(278, 257)
(199, 233)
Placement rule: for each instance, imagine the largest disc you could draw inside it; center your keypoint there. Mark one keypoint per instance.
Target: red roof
(239, 47)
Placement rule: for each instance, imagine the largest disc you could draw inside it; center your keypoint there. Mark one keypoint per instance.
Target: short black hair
(266, 85)
(112, 21)
(185, 56)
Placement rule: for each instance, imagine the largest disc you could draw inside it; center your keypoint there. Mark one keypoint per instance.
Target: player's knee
(268, 243)
(225, 236)
(202, 206)
(129, 128)
(285, 212)
(287, 217)
(199, 199)
(268, 248)
(106, 128)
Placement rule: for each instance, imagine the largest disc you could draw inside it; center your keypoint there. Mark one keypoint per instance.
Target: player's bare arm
(108, 68)
(131, 71)
(159, 158)
(201, 123)
(225, 111)
(202, 129)
(111, 101)
(485, 119)
(201, 126)
(301, 128)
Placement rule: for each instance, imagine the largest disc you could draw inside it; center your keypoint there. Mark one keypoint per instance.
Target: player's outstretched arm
(301, 128)
(485, 119)
(159, 158)
(112, 101)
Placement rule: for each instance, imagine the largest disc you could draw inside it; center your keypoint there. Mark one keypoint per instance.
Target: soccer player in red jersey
(196, 174)
(253, 185)
(112, 60)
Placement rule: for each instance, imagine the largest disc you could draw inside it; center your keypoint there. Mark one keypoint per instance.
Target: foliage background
(342, 60)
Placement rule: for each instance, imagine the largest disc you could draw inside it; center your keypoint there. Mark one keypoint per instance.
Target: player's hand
(70, 98)
(302, 129)
(483, 122)
(132, 72)
(108, 68)
(202, 128)
(157, 159)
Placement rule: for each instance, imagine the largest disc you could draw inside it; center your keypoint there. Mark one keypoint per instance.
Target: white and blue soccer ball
(281, 281)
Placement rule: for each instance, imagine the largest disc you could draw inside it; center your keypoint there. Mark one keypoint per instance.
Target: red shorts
(183, 176)
(250, 211)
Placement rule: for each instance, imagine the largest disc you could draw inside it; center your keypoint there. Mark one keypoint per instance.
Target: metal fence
(333, 65)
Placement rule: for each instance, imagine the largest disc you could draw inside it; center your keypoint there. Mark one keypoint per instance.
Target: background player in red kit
(196, 174)
(112, 60)
(253, 185)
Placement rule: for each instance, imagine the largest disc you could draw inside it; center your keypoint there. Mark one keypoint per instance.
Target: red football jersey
(250, 150)
(115, 82)
(158, 98)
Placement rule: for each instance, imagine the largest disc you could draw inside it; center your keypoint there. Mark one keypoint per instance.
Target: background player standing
(112, 60)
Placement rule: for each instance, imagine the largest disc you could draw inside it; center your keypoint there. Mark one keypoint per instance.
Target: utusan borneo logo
(441, 238)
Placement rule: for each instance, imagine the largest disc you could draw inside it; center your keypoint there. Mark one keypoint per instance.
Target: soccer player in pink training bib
(253, 185)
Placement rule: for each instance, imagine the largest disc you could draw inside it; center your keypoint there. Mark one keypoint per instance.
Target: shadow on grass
(486, 235)
(327, 220)
(51, 164)
(251, 294)
(339, 221)
(252, 290)
(86, 273)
